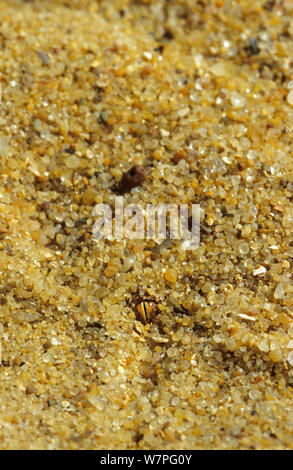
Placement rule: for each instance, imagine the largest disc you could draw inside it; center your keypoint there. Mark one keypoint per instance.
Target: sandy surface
(197, 94)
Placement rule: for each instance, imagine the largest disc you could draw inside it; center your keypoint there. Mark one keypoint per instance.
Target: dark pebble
(44, 57)
(30, 390)
(134, 177)
(254, 46)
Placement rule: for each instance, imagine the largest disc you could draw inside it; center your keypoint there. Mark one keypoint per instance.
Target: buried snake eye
(145, 310)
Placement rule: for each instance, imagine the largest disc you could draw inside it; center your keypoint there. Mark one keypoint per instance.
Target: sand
(198, 94)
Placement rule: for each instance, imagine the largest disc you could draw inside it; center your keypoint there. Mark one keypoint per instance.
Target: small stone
(47, 357)
(263, 346)
(134, 177)
(72, 162)
(276, 355)
(38, 125)
(171, 275)
(254, 394)
(246, 317)
(251, 155)
(219, 69)
(26, 317)
(95, 63)
(160, 339)
(96, 401)
(287, 221)
(279, 292)
(89, 196)
(110, 271)
(4, 146)
(237, 100)
(260, 270)
(183, 112)
(61, 240)
(254, 46)
(129, 262)
(290, 98)
(44, 206)
(290, 358)
(47, 345)
(65, 404)
(30, 390)
(210, 221)
(147, 55)
(104, 116)
(244, 248)
(44, 57)
(164, 133)
(146, 70)
(181, 154)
